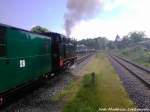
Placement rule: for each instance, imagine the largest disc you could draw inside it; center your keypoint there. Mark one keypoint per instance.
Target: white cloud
(135, 17)
(109, 5)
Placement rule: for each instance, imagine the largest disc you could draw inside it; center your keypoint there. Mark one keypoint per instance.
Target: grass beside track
(84, 95)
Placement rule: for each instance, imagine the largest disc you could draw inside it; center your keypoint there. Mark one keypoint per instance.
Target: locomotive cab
(56, 40)
(63, 50)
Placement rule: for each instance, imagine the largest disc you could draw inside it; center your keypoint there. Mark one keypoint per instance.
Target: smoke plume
(78, 10)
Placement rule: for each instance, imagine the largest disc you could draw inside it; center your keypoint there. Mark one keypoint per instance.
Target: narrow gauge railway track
(140, 72)
(27, 90)
(81, 59)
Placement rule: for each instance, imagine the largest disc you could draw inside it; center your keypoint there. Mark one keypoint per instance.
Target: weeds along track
(140, 72)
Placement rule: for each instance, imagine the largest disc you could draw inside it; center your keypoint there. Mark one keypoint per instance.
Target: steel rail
(116, 58)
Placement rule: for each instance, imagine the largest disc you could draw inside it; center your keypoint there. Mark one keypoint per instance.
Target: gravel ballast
(137, 91)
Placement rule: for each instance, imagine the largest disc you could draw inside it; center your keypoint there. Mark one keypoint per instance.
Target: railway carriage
(26, 57)
(83, 50)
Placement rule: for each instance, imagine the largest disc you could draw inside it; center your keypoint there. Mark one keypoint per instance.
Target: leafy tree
(111, 45)
(136, 36)
(132, 39)
(117, 38)
(39, 29)
(97, 43)
(118, 41)
(125, 42)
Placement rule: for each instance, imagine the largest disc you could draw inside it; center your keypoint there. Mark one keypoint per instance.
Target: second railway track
(140, 72)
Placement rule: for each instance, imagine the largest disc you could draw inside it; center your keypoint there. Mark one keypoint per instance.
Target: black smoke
(78, 10)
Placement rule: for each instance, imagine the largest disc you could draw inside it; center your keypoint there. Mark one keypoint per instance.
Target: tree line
(102, 43)
(132, 39)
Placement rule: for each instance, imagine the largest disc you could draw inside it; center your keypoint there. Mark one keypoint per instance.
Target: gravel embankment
(40, 99)
(136, 90)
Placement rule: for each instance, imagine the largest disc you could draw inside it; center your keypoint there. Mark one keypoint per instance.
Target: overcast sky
(115, 17)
